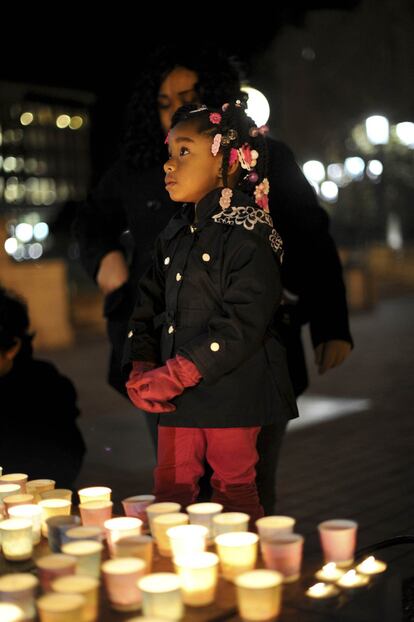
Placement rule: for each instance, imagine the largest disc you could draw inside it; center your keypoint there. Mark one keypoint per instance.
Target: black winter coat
(127, 200)
(211, 296)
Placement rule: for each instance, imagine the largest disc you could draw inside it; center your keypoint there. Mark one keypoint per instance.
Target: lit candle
(161, 524)
(259, 594)
(15, 478)
(187, 539)
(10, 613)
(57, 493)
(203, 514)
(17, 538)
(237, 552)
(37, 486)
(198, 573)
(230, 521)
(322, 590)
(329, 573)
(272, 526)
(121, 582)
(136, 546)
(51, 567)
(352, 579)
(95, 493)
(88, 555)
(117, 528)
(165, 507)
(19, 588)
(371, 566)
(33, 513)
(137, 505)
(16, 499)
(95, 513)
(84, 585)
(161, 596)
(53, 507)
(60, 607)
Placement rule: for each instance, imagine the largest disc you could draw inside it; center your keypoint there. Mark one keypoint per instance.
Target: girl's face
(177, 89)
(191, 170)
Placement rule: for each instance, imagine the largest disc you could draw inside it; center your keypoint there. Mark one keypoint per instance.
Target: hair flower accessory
(260, 194)
(225, 106)
(216, 144)
(247, 157)
(167, 138)
(234, 154)
(255, 131)
(215, 117)
(225, 198)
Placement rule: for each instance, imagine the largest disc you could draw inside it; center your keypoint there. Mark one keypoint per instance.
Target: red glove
(138, 369)
(165, 383)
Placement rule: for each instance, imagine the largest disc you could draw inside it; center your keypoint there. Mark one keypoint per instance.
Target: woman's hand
(113, 272)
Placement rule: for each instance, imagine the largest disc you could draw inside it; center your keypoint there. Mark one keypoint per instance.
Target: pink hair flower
(167, 138)
(233, 156)
(215, 117)
(216, 144)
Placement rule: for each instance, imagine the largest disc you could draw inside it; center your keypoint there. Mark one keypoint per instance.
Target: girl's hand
(331, 354)
(113, 272)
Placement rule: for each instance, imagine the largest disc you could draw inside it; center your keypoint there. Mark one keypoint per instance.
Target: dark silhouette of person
(39, 436)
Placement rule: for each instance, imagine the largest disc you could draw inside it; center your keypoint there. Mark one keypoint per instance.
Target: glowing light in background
(10, 246)
(394, 232)
(257, 106)
(355, 167)
(374, 169)
(24, 232)
(40, 231)
(314, 171)
(63, 121)
(76, 122)
(405, 133)
(377, 128)
(26, 118)
(329, 191)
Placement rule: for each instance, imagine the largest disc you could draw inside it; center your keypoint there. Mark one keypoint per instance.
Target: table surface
(379, 602)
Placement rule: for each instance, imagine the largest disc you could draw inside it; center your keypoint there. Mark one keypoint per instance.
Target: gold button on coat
(167, 261)
(205, 257)
(214, 346)
(171, 329)
(130, 334)
(178, 277)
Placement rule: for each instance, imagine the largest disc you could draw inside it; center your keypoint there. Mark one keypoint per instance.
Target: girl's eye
(183, 151)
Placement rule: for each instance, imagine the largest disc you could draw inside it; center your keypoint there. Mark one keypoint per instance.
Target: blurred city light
(314, 170)
(329, 191)
(405, 133)
(378, 130)
(355, 167)
(257, 106)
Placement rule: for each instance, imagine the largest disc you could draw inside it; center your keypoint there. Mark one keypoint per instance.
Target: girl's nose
(168, 166)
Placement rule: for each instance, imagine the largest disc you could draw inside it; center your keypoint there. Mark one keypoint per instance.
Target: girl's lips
(170, 183)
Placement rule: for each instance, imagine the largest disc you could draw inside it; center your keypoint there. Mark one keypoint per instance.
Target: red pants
(232, 454)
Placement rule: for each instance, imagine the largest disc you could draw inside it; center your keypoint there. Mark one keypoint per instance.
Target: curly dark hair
(218, 81)
(237, 131)
(14, 319)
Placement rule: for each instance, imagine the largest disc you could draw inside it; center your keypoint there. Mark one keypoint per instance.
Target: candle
(5, 491)
(60, 607)
(17, 538)
(329, 572)
(161, 596)
(88, 555)
(230, 521)
(371, 566)
(203, 514)
(120, 578)
(84, 585)
(53, 507)
(259, 594)
(161, 524)
(198, 573)
(352, 579)
(10, 613)
(95, 513)
(19, 588)
(95, 493)
(117, 528)
(187, 539)
(37, 486)
(155, 509)
(56, 529)
(137, 505)
(15, 478)
(283, 553)
(57, 493)
(51, 567)
(322, 590)
(83, 533)
(272, 526)
(237, 552)
(136, 546)
(31, 512)
(16, 499)
(338, 540)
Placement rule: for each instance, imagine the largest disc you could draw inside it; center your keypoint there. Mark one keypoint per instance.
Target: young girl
(206, 309)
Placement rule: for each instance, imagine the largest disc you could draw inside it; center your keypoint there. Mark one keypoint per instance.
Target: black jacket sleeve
(252, 292)
(311, 267)
(101, 220)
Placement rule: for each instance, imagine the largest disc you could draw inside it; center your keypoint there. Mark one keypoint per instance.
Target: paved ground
(351, 454)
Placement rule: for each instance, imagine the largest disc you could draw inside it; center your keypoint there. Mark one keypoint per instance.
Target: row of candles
(75, 566)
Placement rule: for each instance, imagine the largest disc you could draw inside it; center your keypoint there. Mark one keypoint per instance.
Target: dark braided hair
(238, 131)
(218, 81)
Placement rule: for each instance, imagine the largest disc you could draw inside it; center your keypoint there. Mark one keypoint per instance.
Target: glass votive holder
(121, 578)
(94, 493)
(37, 486)
(117, 528)
(259, 595)
(88, 554)
(95, 513)
(161, 524)
(203, 514)
(187, 539)
(198, 573)
(55, 607)
(284, 554)
(83, 533)
(230, 521)
(136, 506)
(16, 536)
(11, 613)
(5, 491)
(272, 526)
(237, 552)
(57, 493)
(136, 546)
(53, 507)
(338, 540)
(16, 499)
(51, 567)
(165, 507)
(86, 586)
(31, 512)
(56, 529)
(161, 596)
(15, 478)
(19, 588)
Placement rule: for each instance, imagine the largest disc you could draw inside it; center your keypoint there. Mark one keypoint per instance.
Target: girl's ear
(234, 167)
(14, 350)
